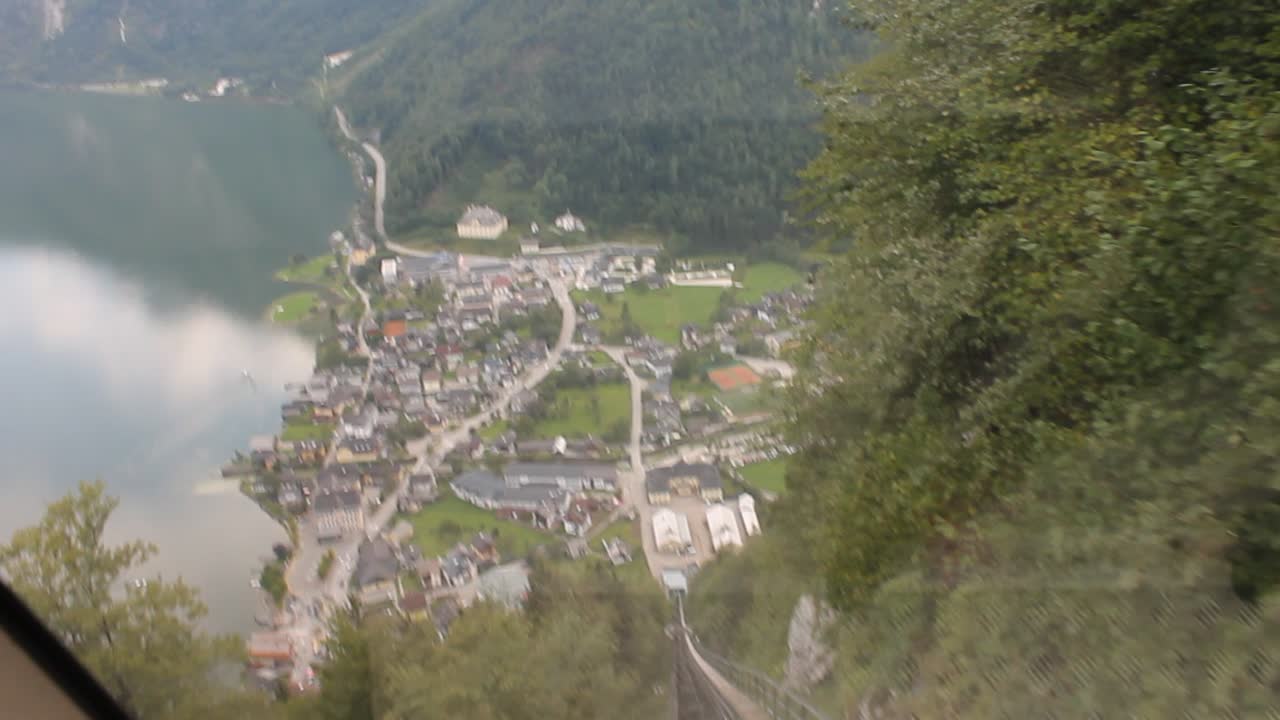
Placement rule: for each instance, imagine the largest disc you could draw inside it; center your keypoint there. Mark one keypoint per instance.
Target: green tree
(139, 638)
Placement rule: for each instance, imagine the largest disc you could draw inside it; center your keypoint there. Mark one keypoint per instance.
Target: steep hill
(1040, 474)
(687, 116)
(266, 42)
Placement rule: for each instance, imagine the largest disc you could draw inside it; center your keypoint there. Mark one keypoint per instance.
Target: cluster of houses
(558, 495)
(727, 522)
(393, 577)
(773, 319)
(486, 223)
(443, 368)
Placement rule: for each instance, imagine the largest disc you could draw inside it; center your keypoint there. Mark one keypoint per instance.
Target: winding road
(379, 169)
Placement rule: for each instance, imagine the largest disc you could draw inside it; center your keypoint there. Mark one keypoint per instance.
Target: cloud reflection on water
(100, 383)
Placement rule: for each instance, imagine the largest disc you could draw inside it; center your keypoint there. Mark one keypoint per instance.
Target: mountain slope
(688, 116)
(1040, 474)
(280, 42)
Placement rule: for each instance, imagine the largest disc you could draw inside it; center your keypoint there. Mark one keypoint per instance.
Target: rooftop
(481, 215)
(659, 479)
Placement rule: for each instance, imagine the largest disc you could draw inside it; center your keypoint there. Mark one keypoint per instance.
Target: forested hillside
(280, 43)
(1040, 410)
(687, 116)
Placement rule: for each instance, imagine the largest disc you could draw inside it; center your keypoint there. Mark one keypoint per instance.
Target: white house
(723, 525)
(568, 222)
(671, 531)
(390, 271)
(481, 221)
(747, 509)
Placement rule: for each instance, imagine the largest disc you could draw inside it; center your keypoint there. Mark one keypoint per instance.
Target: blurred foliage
(137, 634)
(1040, 409)
(589, 644)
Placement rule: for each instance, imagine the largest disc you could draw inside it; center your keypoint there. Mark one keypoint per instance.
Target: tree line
(686, 117)
(1036, 408)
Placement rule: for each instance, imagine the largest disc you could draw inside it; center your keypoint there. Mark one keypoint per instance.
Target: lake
(138, 237)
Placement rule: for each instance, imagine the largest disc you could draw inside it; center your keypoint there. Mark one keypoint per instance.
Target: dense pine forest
(690, 117)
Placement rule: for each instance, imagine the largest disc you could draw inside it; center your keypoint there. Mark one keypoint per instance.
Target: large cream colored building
(481, 221)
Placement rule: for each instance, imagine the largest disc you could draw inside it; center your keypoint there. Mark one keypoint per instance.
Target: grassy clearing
(306, 431)
(442, 524)
(658, 312)
(573, 413)
(599, 358)
(447, 239)
(293, 307)
(629, 531)
(494, 429)
(767, 277)
(748, 400)
(315, 270)
(770, 475)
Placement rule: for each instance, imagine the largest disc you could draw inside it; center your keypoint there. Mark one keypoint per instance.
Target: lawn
(694, 386)
(448, 521)
(494, 429)
(660, 313)
(769, 475)
(629, 531)
(599, 358)
(573, 415)
(293, 307)
(767, 277)
(749, 400)
(311, 271)
(306, 431)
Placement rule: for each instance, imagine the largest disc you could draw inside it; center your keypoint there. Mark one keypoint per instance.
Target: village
(577, 401)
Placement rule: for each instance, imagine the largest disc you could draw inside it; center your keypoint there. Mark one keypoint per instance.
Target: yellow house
(360, 256)
(355, 450)
(684, 480)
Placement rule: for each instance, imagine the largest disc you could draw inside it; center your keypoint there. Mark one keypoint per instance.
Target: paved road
(633, 490)
(380, 173)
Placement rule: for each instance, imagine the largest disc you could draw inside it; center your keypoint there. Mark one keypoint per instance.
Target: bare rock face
(809, 659)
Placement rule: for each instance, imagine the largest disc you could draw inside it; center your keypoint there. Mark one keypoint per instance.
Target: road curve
(379, 176)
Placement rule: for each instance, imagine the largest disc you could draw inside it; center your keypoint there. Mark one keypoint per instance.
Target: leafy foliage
(140, 639)
(683, 116)
(1038, 409)
(589, 645)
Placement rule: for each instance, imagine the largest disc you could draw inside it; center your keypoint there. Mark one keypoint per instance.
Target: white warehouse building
(747, 509)
(722, 521)
(671, 531)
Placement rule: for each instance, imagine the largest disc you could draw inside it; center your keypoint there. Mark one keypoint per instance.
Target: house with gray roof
(571, 476)
(376, 564)
(684, 480)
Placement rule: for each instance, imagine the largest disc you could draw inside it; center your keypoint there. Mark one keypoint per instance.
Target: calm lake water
(137, 242)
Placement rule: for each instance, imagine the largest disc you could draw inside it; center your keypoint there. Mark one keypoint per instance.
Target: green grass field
(658, 312)
(306, 431)
(629, 531)
(748, 400)
(769, 475)
(442, 524)
(766, 278)
(311, 271)
(494, 429)
(572, 415)
(293, 307)
(599, 358)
